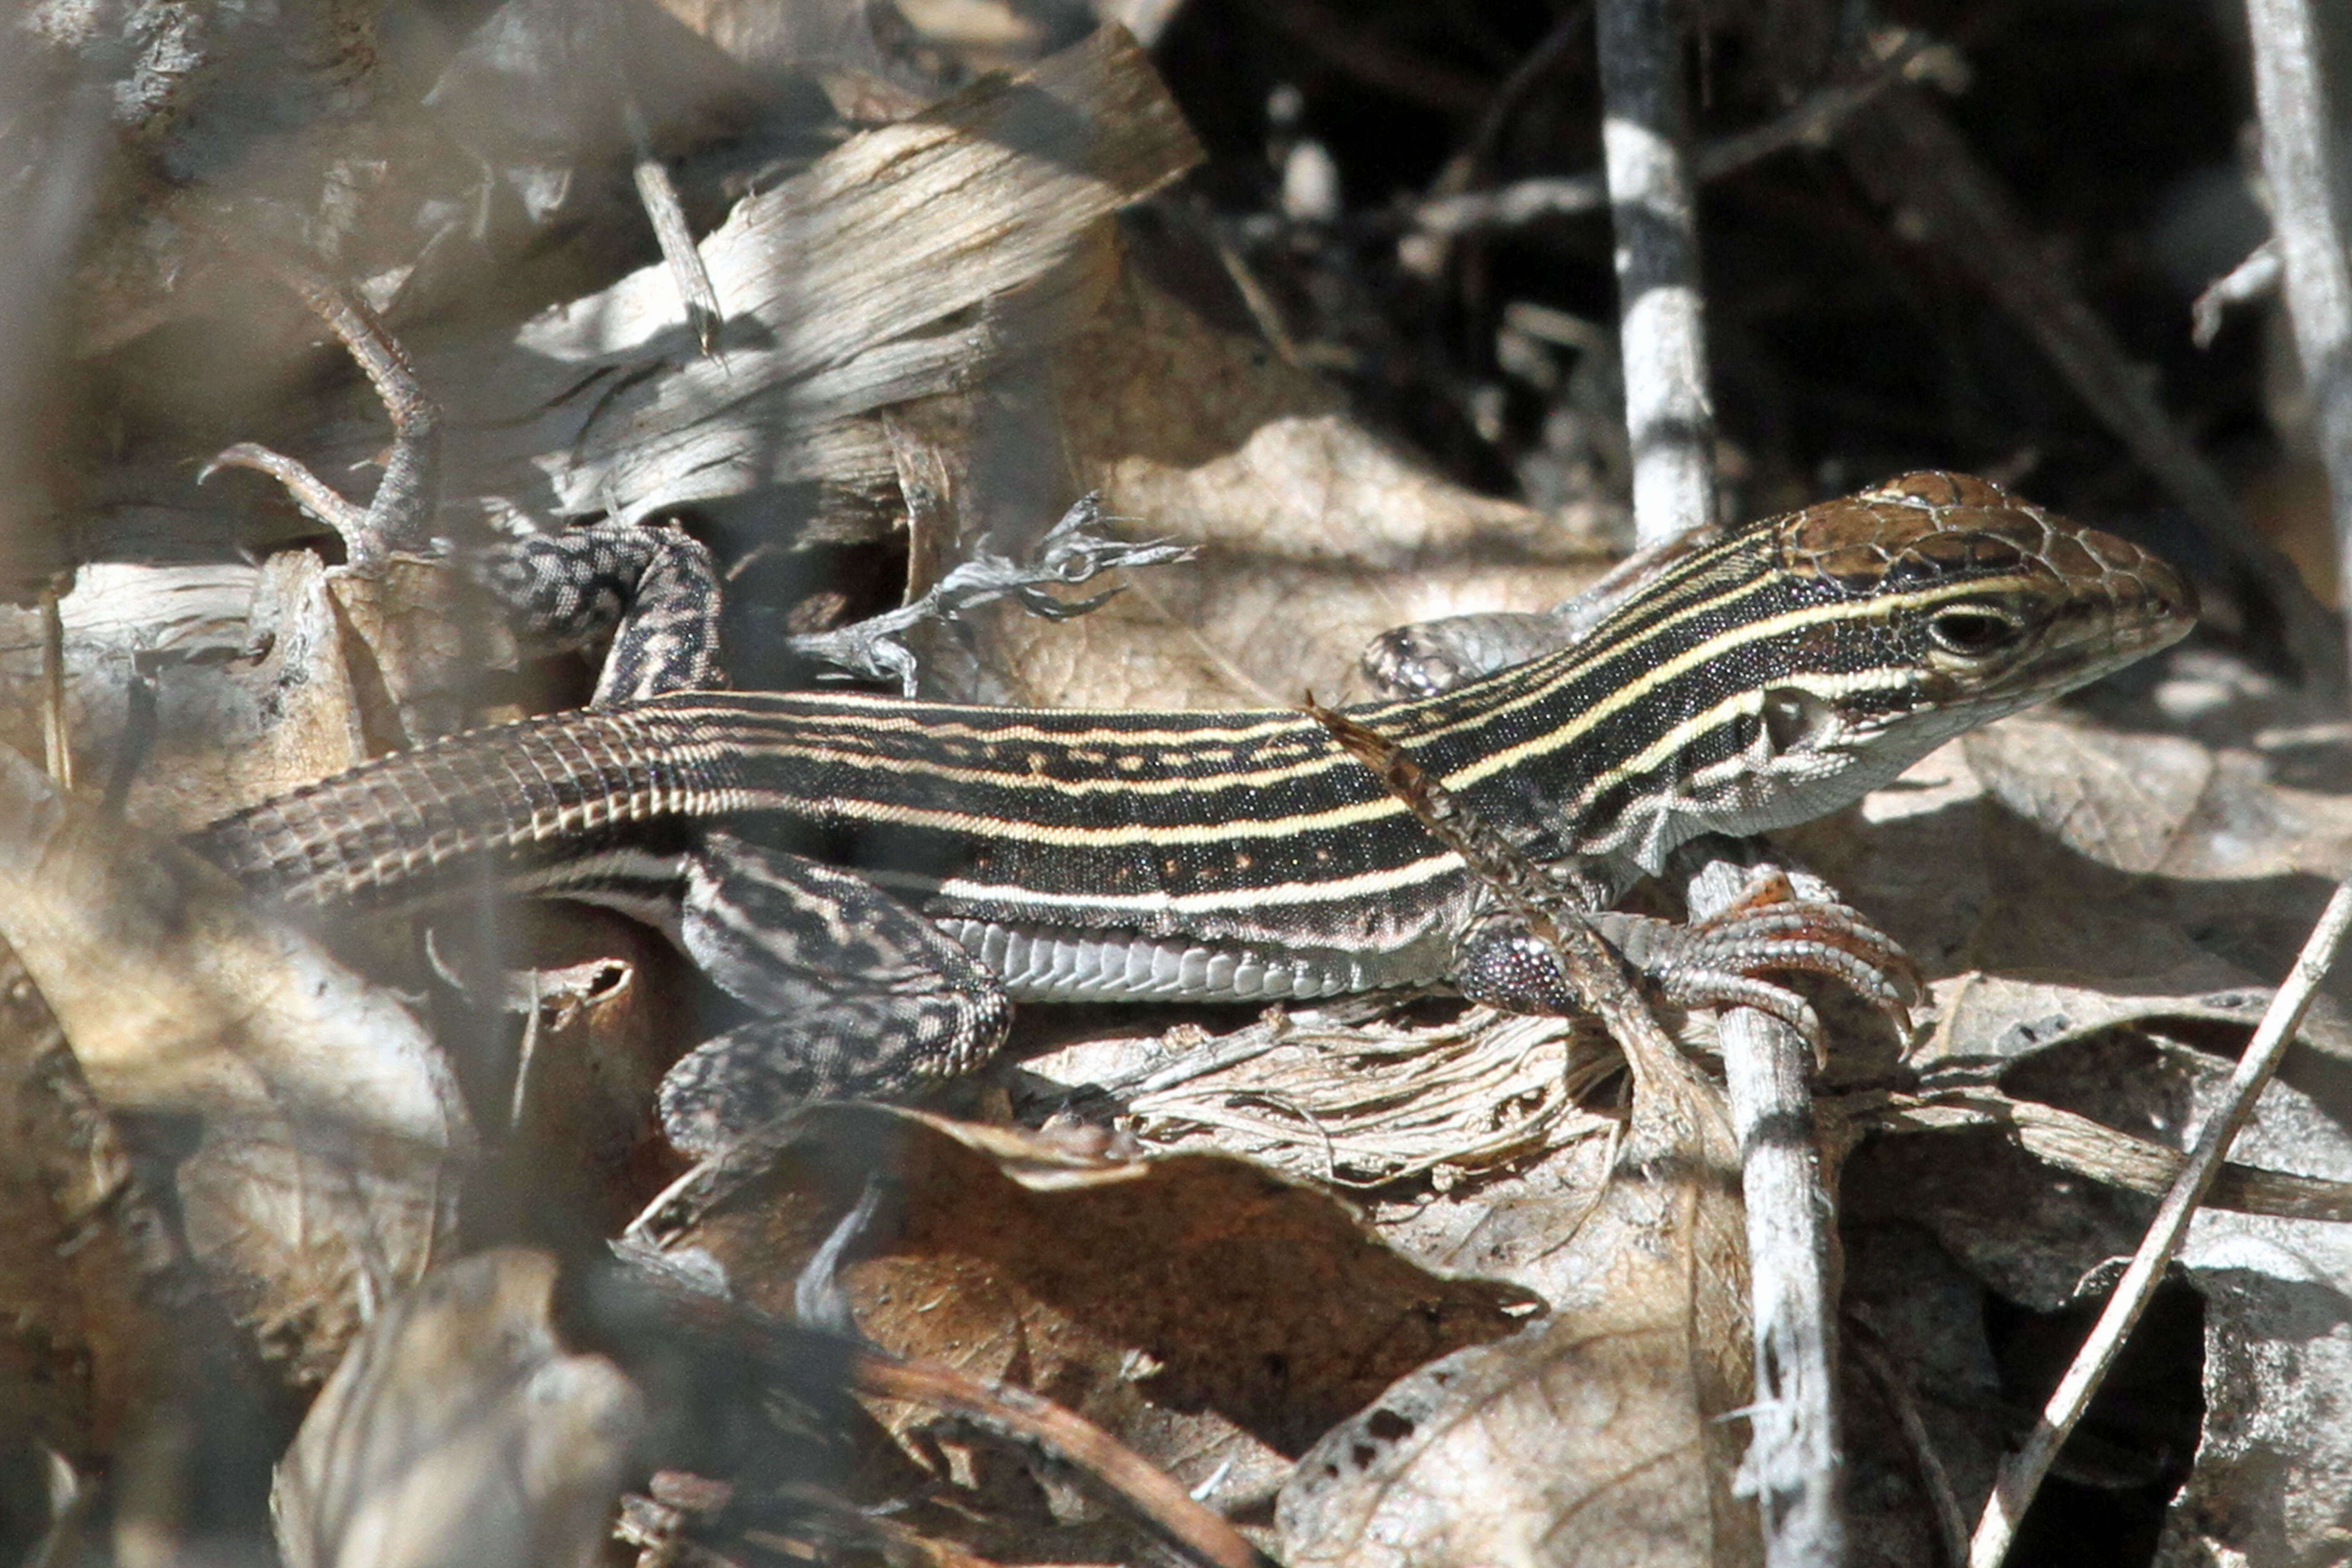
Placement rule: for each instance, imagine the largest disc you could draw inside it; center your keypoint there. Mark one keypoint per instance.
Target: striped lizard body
(1749, 682)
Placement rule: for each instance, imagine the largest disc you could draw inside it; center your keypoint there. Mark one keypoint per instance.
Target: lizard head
(1787, 668)
(1975, 604)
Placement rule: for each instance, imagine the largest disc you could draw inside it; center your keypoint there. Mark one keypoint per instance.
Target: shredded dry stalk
(1365, 1106)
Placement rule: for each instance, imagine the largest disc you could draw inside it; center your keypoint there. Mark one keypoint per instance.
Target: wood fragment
(57, 730)
(2252, 278)
(659, 196)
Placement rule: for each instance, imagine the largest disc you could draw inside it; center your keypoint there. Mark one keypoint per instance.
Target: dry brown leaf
(601, 1013)
(458, 1429)
(1199, 1308)
(87, 1346)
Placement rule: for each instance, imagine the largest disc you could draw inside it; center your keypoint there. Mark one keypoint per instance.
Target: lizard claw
(1719, 962)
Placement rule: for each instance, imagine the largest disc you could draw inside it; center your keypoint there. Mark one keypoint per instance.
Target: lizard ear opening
(1794, 719)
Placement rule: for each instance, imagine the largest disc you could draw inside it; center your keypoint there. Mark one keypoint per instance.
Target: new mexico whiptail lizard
(876, 878)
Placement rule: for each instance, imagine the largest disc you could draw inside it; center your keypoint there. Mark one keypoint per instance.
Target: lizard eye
(1973, 631)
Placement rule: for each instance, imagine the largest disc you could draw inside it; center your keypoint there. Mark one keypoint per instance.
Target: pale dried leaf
(2079, 1144)
(1969, 885)
(1314, 535)
(197, 690)
(331, 1122)
(2275, 1457)
(2005, 1018)
(2158, 803)
(1602, 1431)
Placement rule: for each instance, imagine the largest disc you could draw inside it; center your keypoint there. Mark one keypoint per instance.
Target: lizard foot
(1721, 961)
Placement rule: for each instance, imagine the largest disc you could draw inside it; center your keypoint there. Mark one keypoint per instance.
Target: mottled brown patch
(1923, 528)
(2078, 557)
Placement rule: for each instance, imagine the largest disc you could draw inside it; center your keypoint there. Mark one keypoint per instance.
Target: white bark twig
(2013, 1490)
(1795, 1464)
(2291, 93)
(1795, 1460)
(1669, 416)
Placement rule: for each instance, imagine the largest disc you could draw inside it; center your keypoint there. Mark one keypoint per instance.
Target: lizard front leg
(860, 995)
(1717, 962)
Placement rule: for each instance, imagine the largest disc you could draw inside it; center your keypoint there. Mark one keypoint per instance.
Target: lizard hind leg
(652, 588)
(860, 996)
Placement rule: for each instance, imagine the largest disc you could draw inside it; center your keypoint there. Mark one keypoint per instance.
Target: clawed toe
(1718, 962)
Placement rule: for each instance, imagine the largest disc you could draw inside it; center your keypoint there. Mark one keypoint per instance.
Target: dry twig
(2021, 1476)
(1795, 1461)
(1526, 200)
(2290, 55)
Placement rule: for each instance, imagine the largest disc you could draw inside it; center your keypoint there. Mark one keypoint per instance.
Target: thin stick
(1795, 1462)
(2290, 51)
(57, 730)
(1199, 1533)
(659, 198)
(1669, 418)
(1563, 195)
(2021, 1475)
(1952, 1524)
